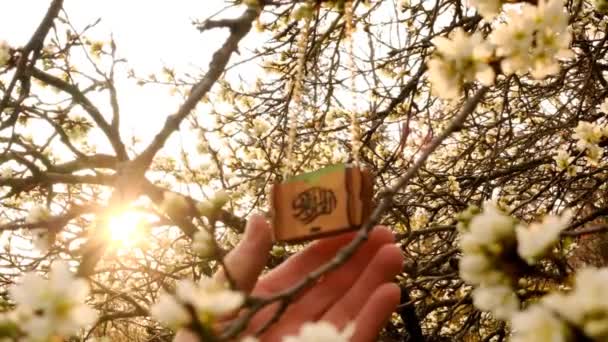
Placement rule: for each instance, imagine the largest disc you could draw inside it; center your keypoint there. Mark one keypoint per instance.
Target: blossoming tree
(484, 122)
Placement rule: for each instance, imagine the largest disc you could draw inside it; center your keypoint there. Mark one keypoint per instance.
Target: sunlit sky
(149, 34)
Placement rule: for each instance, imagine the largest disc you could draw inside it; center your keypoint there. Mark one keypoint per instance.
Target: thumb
(247, 260)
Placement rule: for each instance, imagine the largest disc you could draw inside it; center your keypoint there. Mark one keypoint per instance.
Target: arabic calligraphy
(312, 203)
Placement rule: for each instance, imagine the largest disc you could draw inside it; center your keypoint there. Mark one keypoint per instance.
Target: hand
(361, 290)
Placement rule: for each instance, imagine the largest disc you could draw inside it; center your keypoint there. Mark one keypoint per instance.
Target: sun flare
(125, 228)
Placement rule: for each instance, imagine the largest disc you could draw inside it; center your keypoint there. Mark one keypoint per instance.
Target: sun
(125, 228)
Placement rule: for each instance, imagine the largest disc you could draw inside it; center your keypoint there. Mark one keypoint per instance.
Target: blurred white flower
(220, 199)
(538, 324)
(562, 160)
(593, 154)
(587, 134)
(420, 218)
(260, 127)
(205, 208)
(487, 8)
(459, 59)
(202, 243)
(174, 204)
(169, 312)
(586, 306)
(492, 225)
(53, 307)
(536, 239)
(478, 269)
(533, 38)
(322, 331)
(38, 214)
(500, 300)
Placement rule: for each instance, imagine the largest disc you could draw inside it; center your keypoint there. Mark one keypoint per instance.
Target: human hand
(359, 291)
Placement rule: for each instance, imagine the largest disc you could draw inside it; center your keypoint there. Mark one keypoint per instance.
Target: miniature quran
(320, 203)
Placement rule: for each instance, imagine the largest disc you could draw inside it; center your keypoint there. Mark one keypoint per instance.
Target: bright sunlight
(125, 228)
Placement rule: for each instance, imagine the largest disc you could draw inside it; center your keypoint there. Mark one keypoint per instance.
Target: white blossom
(593, 154)
(492, 225)
(53, 307)
(202, 243)
(169, 312)
(459, 59)
(487, 8)
(500, 300)
(205, 208)
(562, 159)
(478, 269)
(322, 331)
(587, 134)
(208, 298)
(533, 241)
(420, 218)
(220, 199)
(533, 38)
(38, 214)
(5, 53)
(538, 324)
(586, 306)
(174, 204)
(260, 126)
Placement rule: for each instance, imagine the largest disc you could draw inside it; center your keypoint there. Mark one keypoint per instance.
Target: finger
(384, 267)
(315, 255)
(314, 302)
(247, 260)
(376, 312)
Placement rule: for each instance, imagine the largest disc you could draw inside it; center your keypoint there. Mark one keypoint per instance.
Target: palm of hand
(360, 291)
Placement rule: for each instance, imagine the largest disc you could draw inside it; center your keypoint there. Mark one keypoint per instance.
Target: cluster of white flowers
(210, 207)
(260, 127)
(483, 244)
(588, 135)
(563, 161)
(489, 242)
(208, 298)
(50, 309)
(531, 39)
(174, 204)
(582, 312)
(538, 324)
(420, 218)
(5, 53)
(203, 244)
(487, 8)
(536, 239)
(462, 58)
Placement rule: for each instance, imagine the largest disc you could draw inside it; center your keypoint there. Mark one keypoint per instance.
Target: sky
(149, 34)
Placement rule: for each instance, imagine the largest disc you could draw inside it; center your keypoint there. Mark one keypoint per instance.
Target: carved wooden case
(327, 201)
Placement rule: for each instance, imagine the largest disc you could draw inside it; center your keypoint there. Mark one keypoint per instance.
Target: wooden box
(327, 201)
